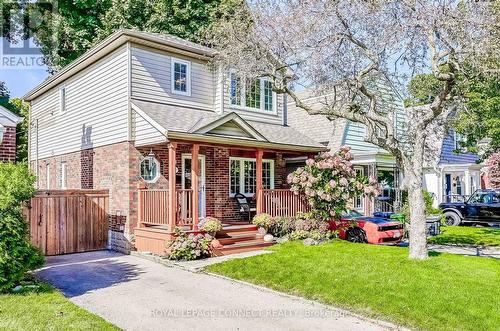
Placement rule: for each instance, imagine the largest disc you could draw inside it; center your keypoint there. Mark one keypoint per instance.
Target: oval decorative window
(150, 169)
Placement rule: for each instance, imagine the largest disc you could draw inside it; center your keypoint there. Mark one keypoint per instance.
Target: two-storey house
(171, 137)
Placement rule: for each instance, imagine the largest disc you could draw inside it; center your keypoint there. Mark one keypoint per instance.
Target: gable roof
(8, 118)
(195, 124)
(120, 37)
(231, 125)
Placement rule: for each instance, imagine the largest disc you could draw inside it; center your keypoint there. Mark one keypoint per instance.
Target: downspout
(285, 110)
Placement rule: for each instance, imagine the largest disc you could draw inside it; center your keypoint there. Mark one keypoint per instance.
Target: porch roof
(199, 125)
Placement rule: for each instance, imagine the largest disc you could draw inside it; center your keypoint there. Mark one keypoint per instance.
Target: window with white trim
(243, 175)
(253, 94)
(181, 76)
(359, 200)
(64, 168)
(62, 99)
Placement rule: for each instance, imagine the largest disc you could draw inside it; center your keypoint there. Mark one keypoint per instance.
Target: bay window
(252, 94)
(243, 175)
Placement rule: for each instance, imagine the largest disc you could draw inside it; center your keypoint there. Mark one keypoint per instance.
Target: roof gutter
(107, 46)
(174, 135)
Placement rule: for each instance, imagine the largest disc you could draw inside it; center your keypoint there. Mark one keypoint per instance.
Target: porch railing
(455, 198)
(283, 202)
(383, 206)
(184, 207)
(153, 207)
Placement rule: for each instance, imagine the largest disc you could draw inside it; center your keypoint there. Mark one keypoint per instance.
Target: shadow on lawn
(85, 275)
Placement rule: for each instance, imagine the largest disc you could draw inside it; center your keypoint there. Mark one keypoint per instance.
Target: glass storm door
(186, 180)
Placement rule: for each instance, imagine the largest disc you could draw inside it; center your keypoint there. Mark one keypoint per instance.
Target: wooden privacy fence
(68, 221)
(283, 202)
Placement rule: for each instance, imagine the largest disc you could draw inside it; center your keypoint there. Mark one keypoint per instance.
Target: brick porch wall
(8, 145)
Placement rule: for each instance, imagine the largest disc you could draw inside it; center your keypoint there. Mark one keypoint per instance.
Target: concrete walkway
(137, 294)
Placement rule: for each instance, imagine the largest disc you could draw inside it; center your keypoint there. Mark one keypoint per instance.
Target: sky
(20, 81)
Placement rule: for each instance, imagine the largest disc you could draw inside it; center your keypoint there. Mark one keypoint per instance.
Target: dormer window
(62, 99)
(252, 94)
(181, 77)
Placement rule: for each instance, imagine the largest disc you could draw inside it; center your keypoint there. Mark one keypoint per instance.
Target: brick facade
(8, 145)
(117, 168)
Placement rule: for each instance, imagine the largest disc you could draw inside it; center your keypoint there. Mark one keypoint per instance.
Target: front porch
(216, 173)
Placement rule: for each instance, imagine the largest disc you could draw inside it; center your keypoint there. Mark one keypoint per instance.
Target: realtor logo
(20, 22)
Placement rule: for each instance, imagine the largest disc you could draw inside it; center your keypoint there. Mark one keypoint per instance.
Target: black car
(483, 207)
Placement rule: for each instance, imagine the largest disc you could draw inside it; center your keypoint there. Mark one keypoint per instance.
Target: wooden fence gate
(68, 221)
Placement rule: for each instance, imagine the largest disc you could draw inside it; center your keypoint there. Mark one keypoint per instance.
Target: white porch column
(467, 182)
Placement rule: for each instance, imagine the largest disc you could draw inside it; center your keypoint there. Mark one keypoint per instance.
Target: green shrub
(429, 209)
(282, 226)
(263, 220)
(211, 225)
(17, 255)
(190, 247)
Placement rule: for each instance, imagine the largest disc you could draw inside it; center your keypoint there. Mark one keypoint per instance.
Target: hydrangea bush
(330, 183)
(190, 247)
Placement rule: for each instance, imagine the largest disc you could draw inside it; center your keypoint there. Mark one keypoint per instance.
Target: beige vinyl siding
(151, 79)
(96, 109)
(254, 115)
(144, 133)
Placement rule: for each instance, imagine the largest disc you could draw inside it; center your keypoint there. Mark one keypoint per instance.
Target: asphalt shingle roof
(188, 120)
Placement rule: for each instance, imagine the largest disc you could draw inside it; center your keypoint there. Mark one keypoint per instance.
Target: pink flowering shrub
(494, 170)
(330, 182)
(189, 247)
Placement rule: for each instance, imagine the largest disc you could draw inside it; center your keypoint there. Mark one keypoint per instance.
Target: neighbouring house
(173, 139)
(453, 175)
(368, 160)
(8, 124)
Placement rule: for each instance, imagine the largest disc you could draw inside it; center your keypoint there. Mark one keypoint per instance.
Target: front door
(186, 179)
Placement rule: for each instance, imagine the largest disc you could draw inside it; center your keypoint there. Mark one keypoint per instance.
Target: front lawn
(465, 235)
(445, 292)
(46, 310)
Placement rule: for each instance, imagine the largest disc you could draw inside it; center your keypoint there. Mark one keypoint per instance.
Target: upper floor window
(62, 99)
(181, 76)
(459, 140)
(252, 93)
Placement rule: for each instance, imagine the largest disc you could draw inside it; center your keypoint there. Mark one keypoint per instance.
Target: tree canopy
(478, 115)
(338, 48)
(77, 25)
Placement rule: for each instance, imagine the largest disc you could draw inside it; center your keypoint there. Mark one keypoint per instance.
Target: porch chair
(244, 206)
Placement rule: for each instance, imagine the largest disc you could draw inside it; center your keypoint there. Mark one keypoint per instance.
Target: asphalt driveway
(137, 294)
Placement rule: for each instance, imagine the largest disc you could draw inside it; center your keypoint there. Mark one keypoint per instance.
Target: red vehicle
(355, 227)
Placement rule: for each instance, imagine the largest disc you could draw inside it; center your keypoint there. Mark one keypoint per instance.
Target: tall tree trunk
(418, 237)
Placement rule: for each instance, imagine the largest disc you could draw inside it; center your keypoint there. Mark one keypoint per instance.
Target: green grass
(464, 235)
(46, 309)
(445, 292)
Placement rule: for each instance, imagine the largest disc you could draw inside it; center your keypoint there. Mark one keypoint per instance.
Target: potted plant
(211, 225)
(264, 222)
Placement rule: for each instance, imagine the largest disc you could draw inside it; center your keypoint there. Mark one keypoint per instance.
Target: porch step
(238, 228)
(240, 247)
(238, 237)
